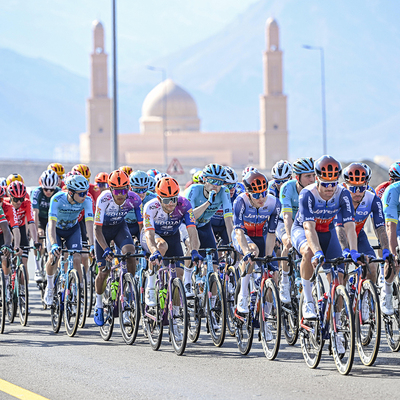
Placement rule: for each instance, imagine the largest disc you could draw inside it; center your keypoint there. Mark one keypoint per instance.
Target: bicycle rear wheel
(11, 300)
(392, 322)
(83, 300)
(153, 319)
(230, 283)
(216, 310)
(72, 303)
(178, 322)
(3, 304)
(129, 312)
(342, 330)
(108, 311)
(194, 312)
(23, 294)
(91, 298)
(57, 306)
(42, 285)
(290, 315)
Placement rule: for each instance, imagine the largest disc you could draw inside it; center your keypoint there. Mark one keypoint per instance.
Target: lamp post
(114, 143)
(163, 77)
(321, 49)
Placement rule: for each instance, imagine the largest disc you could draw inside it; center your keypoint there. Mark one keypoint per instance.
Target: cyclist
(313, 234)
(160, 236)
(60, 171)
(127, 169)
(85, 171)
(110, 225)
(394, 176)
(40, 198)
(153, 172)
(101, 181)
(140, 181)
(281, 172)
(289, 198)
(64, 211)
(152, 184)
(193, 172)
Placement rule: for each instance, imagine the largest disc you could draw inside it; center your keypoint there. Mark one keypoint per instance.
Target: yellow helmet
(57, 168)
(82, 169)
(128, 170)
(14, 177)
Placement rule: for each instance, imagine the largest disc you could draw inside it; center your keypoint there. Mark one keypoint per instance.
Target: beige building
(170, 126)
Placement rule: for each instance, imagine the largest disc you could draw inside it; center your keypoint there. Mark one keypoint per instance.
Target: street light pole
(321, 49)
(114, 143)
(164, 119)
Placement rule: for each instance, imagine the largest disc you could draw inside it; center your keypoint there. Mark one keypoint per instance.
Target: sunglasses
(120, 192)
(355, 189)
(167, 200)
(329, 184)
(216, 182)
(231, 186)
(280, 181)
(49, 190)
(139, 189)
(258, 195)
(102, 185)
(81, 194)
(18, 199)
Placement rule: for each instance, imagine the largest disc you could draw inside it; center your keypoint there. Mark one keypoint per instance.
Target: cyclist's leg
(73, 241)
(133, 231)
(175, 250)
(331, 248)
(364, 247)
(24, 243)
(207, 241)
(84, 257)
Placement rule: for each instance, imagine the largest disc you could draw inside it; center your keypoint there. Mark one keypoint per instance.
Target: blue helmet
(303, 165)
(3, 181)
(139, 179)
(231, 176)
(152, 184)
(214, 171)
(153, 172)
(77, 182)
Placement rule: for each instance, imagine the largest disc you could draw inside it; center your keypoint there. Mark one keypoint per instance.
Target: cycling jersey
(313, 208)
(2, 215)
(289, 197)
(131, 217)
(380, 189)
(94, 190)
(391, 203)
(8, 214)
(66, 214)
(110, 213)
(218, 218)
(82, 214)
(155, 218)
(273, 189)
(196, 197)
(23, 211)
(370, 203)
(149, 196)
(256, 221)
(41, 202)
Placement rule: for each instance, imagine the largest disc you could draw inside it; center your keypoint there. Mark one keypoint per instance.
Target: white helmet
(248, 169)
(231, 176)
(161, 175)
(49, 179)
(282, 170)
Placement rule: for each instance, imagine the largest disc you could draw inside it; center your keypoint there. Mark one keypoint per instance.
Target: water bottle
(13, 279)
(257, 282)
(162, 294)
(297, 281)
(352, 286)
(221, 269)
(322, 304)
(253, 297)
(114, 290)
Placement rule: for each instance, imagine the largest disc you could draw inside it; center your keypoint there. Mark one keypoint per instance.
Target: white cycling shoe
(309, 310)
(49, 296)
(284, 293)
(243, 303)
(150, 297)
(387, 304)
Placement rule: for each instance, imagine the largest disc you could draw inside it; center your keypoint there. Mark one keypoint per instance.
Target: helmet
(3, 192)
(3, 181)
(77, 182)
(139, 179)
(214, 171)
(101, 177)
(13, 178)
(161, 175)
(57, 168)
(369, 171)
(167, 187)
(194, 170)
(72, 173)
(83, 169)
(198, 177)
(303, 165)
(17, 189)
(118, 179)
(355, 174)
(128, 170)
(255, 182)
(152, 184)
(394, 170)
(327, 168)
(49, 179)
(282, 170)
(231, 176)
(152, 172)
(248, 169)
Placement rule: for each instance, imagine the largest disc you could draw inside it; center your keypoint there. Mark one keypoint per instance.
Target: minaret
(273, 126)
(95, 143)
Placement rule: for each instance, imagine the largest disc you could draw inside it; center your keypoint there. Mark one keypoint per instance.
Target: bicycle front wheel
(3, 305)
(230, 283)
(244, 328)
(91, 298)
(290, 315)
(342, 330)
(23, 295)
(108, 309)
(57, 306)
(72, 303)
(216, 310)
(178, 321)
(194, 312)
(83, 300)
(153, 320)
(129, 312)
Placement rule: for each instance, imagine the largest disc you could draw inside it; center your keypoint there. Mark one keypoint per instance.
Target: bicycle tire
(344, 362)
(11, 302)
(154, 326)
(141, 286)
(180, 318)
(229, 292)
(290, 316)
(392, 322)
(91, 300)
(23, 295)
(83, 299)
(216, 313)
(72, 301)
(42, 285)
(107, 328)
(3, 304)
(129, 304)
(270, 319)
(194, 312)
(57, 306)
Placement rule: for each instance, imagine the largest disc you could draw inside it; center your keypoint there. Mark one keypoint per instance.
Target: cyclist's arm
(311, 236)
(240, 236)
(391, 228)
(193, 238)
(7, 233)
(269, 244)
(341, 234)
(198, 211)
(52, 231)
(383, 237)
(33, 231)
(150, 236)
(288, 221)
(36, 217)
(89, 230)
(350, 228)
(98, 233)
(229, 227)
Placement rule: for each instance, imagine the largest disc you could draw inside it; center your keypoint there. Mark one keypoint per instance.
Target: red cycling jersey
(11, 215)
(381, 188)
(24, 211)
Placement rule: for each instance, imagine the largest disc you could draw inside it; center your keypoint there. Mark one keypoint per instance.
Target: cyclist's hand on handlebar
(38, 246)
(108, 254)
(247, 257)
(318, 257)
(385, 254)
(6, 250)
(196, 257)
(357, 257)
(156, 257)
(55, 250)
(18, 251)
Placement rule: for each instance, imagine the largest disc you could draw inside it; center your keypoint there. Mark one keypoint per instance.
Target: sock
(285, 277)
(187, 275)
(37, 265)
(99, 301)
(307, 290)
(387, 288)
(50, 281)
(151, 281)
(245, 285)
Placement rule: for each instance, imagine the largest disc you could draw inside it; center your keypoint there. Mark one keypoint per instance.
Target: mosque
(170, 124)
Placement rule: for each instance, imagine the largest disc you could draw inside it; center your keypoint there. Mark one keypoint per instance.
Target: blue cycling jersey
(131, 217)
(273, 189)
(66, 214)
(289, 197)
(391, 203)
(218, 218)
(149, 196)
(196, 197)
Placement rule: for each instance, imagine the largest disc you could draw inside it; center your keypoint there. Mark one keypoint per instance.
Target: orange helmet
(327, 168)
(82, 169)
(118, 179)
(167, 187)
(128, 170)
(101, 177)
(355, 174)
(255, 182)
(57, 168)
(13, 178)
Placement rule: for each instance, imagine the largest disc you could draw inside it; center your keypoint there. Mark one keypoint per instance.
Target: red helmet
(327, 168)
(167, 187)
(355, 174)
(255, 182)
(101, 177)
(118, 179)
(17, 189)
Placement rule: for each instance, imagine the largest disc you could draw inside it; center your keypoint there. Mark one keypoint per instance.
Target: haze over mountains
(45, 102)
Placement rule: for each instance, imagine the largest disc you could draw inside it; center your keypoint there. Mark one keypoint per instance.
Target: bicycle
(41, 285)
(168, 290)
(121, 299)
(3, 305)
(208, 302)
(335, 321)
(91, 298)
